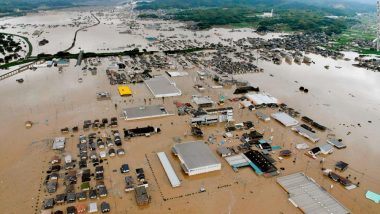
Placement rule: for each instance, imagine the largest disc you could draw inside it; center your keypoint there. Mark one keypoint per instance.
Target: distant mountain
(336, 7)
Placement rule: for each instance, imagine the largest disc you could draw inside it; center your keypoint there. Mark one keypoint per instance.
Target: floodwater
(343, 98)
(346, 100)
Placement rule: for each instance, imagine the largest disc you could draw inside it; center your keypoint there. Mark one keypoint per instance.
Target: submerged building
(196, 158)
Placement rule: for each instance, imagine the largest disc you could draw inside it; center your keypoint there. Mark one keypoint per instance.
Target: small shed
(337, 143)
(326, 149)
(224, 151)
(59, 143)
(68, 159)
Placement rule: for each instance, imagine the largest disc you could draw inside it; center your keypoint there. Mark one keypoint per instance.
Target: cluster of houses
(71, 173)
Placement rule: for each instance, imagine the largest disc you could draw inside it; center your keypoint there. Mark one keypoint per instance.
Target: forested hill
(334, 7)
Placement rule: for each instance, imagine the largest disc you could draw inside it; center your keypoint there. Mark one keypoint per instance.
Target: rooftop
(285, 119)
(202, 100)
(195, 154)
(260, 99)
(309, 196)
(161, 86)
(143, 112)
(173, 178)
(306, 133)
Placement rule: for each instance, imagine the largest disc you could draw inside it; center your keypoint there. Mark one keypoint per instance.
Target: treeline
(148, 16)
(206, 18)
(285, 20)
(333, 7)
(9, 48)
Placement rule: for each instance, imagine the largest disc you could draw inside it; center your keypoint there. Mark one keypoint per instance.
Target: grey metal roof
(195, 155)
(336, 143)
(59, 143)
(141, 112)
(309, 196)
(306, 133)
(161, 86)
(201, 100)
(262, 115)
(223, 150)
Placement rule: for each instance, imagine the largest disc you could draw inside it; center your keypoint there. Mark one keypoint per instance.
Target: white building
(160, 86)
(59, 143)
(196, 158)
(267, 15)
(173, 178)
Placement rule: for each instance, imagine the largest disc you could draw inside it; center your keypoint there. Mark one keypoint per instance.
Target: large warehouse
(160, 86)
(196, 158)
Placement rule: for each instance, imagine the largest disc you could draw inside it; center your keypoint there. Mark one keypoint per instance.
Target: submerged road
(25, 67)
(81, 29)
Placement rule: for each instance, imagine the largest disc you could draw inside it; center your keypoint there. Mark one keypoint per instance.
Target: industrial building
(306, 133)
(173, 178)
(308, 196)
(261, 99)
(285, 119)
(203, 101)
(160, 86)
(144, 112)
(217, 115)
(196, 158)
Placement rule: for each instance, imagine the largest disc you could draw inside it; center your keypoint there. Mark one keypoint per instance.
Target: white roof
(285, 119)
(177, 73)
(68, 159)
(246, 103)
(160, 86)
(199, 100)
(102, 154)
(259, 99)
(302, 146)
(92, 207)
(59, 143)
(169, 169)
